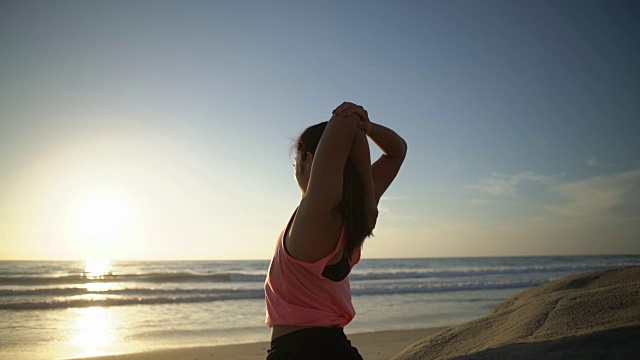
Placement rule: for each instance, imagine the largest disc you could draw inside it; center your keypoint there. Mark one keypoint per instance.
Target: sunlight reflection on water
(97, 268)
(92, 331)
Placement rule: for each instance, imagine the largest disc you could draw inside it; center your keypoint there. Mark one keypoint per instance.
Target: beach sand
(592, 315)
(380, 345)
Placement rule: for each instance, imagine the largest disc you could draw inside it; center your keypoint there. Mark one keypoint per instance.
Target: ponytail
(352, 206)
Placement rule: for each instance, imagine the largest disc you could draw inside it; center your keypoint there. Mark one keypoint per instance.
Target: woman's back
(300, 294)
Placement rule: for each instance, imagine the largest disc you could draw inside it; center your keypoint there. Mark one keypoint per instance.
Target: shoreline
(378, 345)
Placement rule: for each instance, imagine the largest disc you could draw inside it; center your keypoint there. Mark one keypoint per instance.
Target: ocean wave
(78, 297)
(177, 277)
(103, 300)
(25, 291)
(407, 288)
(372, 270)
(364, 275)
(73, 291)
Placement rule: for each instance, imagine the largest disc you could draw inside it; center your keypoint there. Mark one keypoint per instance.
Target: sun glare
(103, 224)
(97, 268)
(101, 215)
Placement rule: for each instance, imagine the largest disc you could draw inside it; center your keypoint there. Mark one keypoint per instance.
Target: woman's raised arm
(394, 150)
(342, 139)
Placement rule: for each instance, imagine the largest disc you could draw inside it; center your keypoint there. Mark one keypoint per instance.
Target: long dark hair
(352, 206)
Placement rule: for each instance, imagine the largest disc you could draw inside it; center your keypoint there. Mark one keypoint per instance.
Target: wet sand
(380, 345)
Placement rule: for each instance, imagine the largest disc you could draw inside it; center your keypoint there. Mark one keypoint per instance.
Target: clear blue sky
(161, 130)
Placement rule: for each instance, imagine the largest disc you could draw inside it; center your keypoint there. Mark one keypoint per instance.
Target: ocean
(66, 309)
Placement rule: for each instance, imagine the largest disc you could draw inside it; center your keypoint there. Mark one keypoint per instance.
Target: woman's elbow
(402, 149)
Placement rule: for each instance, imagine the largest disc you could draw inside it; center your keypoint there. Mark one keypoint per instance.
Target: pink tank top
(297, 294)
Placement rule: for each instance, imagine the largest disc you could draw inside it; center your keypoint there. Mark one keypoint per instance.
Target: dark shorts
(313, 344)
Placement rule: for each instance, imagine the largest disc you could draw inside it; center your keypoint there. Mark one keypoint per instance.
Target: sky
(161, 129)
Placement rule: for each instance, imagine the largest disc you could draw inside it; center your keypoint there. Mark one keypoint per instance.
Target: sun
(101, 215)
(104, 223)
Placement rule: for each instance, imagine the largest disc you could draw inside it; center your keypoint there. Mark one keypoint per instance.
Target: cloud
(592, 162)
(503, 184)
(588, 199)
(596, 215)
(386, 212)
(479, 201)
(595, 198)
(398, 197)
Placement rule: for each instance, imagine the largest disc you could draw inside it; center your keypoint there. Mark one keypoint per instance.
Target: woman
(307, 290)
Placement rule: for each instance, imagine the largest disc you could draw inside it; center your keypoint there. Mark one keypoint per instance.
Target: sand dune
(593, 315)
